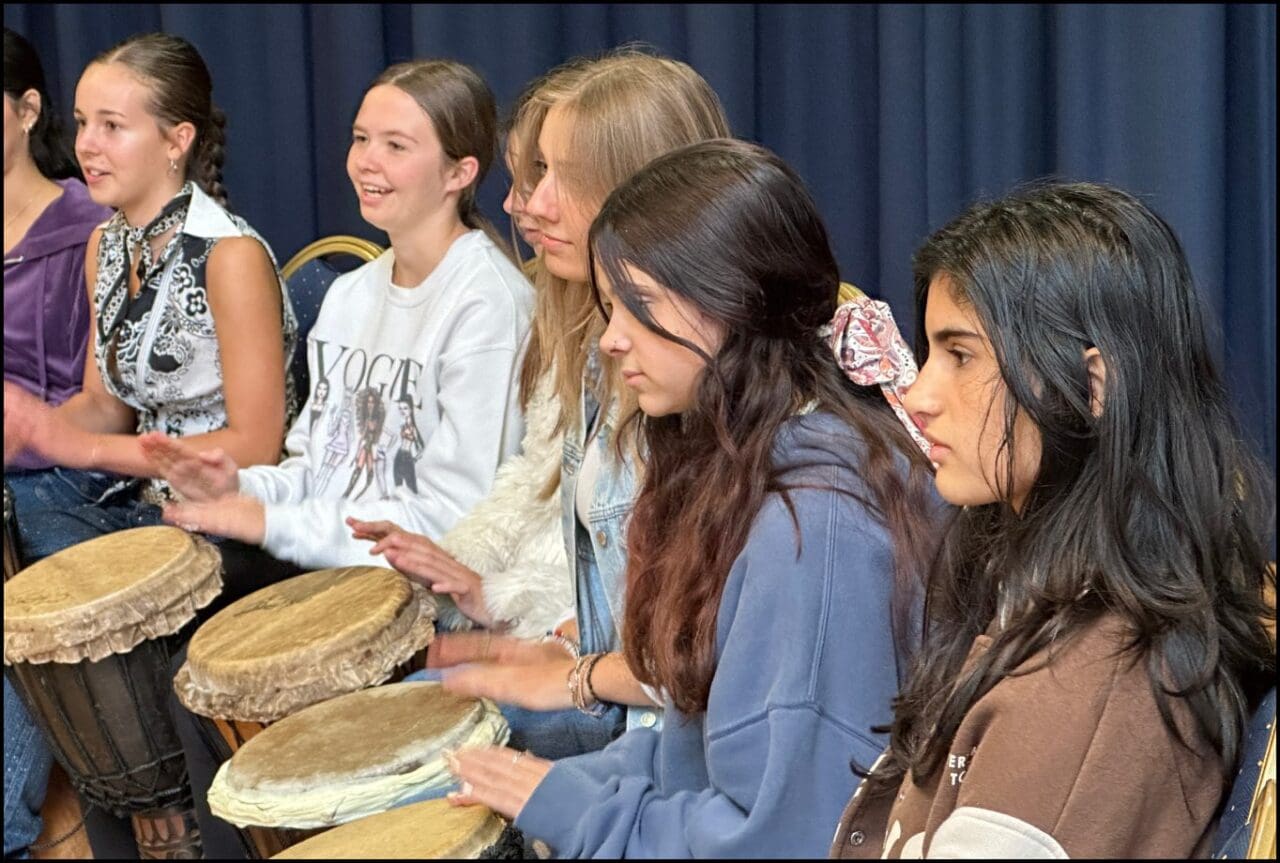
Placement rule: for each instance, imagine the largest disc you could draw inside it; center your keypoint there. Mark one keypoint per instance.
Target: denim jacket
(598, 552)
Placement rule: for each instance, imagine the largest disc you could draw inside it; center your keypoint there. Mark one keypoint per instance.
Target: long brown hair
(628, 106)
(728, 227)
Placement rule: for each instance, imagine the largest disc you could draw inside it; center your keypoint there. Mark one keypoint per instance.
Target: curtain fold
(896, 116)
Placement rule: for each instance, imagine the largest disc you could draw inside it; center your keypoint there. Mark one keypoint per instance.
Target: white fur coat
(513, 537)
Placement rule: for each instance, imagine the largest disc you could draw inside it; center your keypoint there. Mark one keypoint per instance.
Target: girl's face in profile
(562, 218)
(514, 203)
(663, 373)
(959, 400)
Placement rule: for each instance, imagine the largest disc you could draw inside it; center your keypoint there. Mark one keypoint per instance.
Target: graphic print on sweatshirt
(362, 408)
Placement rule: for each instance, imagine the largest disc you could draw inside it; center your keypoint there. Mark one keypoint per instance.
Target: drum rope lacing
(136, 793)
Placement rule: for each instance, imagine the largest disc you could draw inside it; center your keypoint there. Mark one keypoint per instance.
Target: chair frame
(1262, 808)
(338, 244)
(848, 293)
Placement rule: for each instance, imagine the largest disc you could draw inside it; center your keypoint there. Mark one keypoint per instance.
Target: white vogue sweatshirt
(414, 403)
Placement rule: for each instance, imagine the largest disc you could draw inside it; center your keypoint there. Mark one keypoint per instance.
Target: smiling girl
(428, 336)
(588, 126)
(1095, 624)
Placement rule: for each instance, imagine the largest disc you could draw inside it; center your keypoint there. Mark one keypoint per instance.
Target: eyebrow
(954, 333)
(100, 111)
(394, 133)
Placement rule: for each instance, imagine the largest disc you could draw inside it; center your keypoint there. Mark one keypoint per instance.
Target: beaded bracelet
(570, 646)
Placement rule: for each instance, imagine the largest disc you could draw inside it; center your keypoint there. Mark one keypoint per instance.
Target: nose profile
(541, 203)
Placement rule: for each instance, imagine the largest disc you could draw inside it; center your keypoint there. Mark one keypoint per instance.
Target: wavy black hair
(1155, 510)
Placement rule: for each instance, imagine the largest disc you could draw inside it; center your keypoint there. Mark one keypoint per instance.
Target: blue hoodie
(805, 666)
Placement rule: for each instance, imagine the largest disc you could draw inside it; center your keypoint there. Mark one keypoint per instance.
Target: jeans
(553, 734)
(61, 507)
(26, 774)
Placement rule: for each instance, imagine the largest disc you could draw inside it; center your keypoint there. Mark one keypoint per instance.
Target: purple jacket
(46, 307)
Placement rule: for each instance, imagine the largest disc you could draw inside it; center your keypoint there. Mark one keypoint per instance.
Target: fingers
(195, 475)
(420, 567)
(374, 530)
(455, 648)
(155, 445)
(239, 518)
(534, 687)
(478, 681)
(498, 777)
(188, 516)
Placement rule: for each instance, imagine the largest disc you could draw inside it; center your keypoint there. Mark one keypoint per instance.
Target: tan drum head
(431, 830)
(304, 640)
(106, 595)
(351, 756)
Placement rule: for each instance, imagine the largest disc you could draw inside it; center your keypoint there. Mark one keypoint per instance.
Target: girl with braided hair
(191, 320)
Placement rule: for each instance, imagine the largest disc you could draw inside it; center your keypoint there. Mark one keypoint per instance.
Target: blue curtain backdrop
(896, 116)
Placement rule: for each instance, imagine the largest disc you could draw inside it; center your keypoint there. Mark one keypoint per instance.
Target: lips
(372, 194)
(631, 378)
(92, 175)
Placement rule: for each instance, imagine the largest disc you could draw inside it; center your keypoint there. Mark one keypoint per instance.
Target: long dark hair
(1153, 511)
(181, 91)
(47, 140)
(730, 228)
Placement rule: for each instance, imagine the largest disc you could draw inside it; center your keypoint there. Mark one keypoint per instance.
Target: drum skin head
(431, 830)
(352, 756)
(106, 595)
(381, 731)
(304, 640)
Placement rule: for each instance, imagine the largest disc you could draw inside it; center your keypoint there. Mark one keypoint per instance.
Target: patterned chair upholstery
(309, 274)
(1248, 826)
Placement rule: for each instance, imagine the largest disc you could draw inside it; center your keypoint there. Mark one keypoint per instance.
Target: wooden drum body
(88, 635)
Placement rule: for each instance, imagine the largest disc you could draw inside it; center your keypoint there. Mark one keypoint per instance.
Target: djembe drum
(88, 633)
(300, 642)
(349, 758)
(430, 830)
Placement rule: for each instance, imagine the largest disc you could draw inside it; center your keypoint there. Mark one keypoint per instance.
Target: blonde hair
(628, 107)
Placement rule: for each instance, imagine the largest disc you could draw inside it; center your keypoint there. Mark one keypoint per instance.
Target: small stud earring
(26, 130)
(173, 167)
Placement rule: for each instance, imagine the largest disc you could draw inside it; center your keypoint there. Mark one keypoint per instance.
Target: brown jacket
(1071, 760)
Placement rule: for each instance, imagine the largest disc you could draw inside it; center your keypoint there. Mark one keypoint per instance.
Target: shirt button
(647, 719)
(857, 837)
(602, 539)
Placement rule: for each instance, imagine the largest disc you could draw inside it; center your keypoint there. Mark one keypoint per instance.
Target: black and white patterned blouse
(158, 351)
